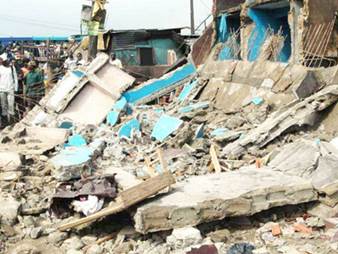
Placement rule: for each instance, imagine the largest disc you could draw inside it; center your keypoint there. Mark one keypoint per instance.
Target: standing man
(70, 63)
(8, 86)
(34, 85)
(115, 61)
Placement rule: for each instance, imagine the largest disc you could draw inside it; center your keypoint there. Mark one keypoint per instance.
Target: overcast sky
(62, 17)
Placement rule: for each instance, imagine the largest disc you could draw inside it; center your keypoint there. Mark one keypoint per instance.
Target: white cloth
(8, 79)
(92, 205)
(117, 63)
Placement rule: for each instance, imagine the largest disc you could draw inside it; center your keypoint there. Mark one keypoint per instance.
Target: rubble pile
(228, 156)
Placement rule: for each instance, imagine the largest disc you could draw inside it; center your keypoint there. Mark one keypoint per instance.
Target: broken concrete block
(182, 238)
(34, 140)
(10, 161)
(299, 158)
(323, 211)
(325, 178)
(71, 162)
(9, 210)
(220, 236)
(214, 197)
(308, 86)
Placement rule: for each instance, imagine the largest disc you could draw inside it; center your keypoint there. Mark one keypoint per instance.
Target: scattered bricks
(302, 228)
(276, 230)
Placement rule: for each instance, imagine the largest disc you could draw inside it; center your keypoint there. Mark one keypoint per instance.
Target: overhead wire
(39, 24)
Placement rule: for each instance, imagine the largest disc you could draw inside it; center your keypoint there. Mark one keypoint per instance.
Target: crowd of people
(21, 85)
(22, 80)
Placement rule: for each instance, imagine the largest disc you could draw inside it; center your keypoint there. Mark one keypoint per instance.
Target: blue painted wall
(264, 19)
(224, 27)
(150, 89)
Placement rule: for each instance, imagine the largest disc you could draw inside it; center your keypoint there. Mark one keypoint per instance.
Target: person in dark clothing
(34, 85)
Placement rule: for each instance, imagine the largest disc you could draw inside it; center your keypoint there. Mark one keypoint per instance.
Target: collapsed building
(247, 125)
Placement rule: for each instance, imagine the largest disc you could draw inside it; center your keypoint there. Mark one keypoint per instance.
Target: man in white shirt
(115, 61)
(80, 61)
(8, 85)
(70, 63)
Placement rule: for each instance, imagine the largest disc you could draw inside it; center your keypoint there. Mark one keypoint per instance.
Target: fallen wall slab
(213, 197)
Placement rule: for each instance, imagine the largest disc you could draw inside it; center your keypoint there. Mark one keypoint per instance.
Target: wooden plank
(214, 159)
(127, 198)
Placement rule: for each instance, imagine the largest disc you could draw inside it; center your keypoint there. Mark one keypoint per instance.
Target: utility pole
(92, 50)
(192, 17)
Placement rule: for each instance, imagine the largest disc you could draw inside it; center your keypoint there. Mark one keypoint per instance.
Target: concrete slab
(10, 161)
(214, 197)
(33, 140)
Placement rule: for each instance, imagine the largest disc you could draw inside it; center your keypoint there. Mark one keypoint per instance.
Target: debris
(241, 248)
(204, 249)
(187, 90)
(182, 238)
(331, 223)
(76, 140)
(89, 206)
(314, 222)
(10, 161)
(127, 129)
(192, 107)
(220, 236)
(86, 195)
(128, 198)
(9, 210)
(276, 230)
(33, 140)
(71, 163)
(36, 233)
(257, 101)
(298, 115)
(156, 88)
(165, 126)
(302, 228)
(214, 159)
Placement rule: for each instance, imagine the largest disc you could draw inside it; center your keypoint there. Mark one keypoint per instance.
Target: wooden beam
(127, 198)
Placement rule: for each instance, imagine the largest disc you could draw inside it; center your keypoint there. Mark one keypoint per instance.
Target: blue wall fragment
(187, 90)
(76, 140)
(113, 117)
(136, 95)
(196, 106)
(165, 126)
(121, 104)
(127, 128)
